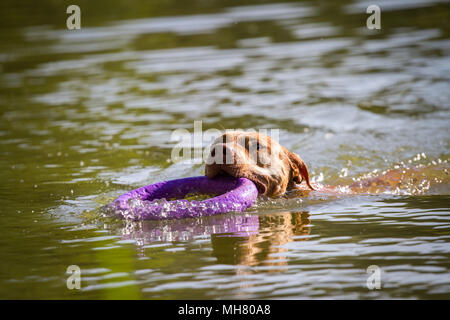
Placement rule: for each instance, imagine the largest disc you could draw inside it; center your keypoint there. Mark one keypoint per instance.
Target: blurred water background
(88, 114)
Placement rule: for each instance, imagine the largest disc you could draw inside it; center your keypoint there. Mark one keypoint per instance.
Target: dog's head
(258, 158)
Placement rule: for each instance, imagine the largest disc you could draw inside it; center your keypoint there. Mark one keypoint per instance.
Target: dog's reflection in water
(265, 247)
(237, 239)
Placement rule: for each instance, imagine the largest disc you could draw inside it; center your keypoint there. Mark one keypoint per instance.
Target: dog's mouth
(236, 172)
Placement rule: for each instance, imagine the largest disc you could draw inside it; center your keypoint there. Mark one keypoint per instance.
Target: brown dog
(257, 157)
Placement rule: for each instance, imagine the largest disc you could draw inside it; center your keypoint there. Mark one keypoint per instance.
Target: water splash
(412, 177)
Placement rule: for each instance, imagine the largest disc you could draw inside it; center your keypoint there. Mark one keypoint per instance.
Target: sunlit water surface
(88, 115)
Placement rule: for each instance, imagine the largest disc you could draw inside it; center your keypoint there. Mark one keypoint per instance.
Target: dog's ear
(299, 169)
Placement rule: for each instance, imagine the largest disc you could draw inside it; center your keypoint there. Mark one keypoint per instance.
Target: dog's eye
(259, 146)
(251, 144)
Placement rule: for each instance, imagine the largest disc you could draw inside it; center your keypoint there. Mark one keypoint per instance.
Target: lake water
(88, 114)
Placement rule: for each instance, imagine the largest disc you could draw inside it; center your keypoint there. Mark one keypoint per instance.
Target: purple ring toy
(149, 202)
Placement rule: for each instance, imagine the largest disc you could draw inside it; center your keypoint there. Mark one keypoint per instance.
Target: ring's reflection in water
(236, 239)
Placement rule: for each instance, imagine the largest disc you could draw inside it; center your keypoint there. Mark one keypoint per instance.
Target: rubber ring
(149, 202)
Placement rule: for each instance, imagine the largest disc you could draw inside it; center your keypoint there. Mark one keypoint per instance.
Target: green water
(88, 114)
